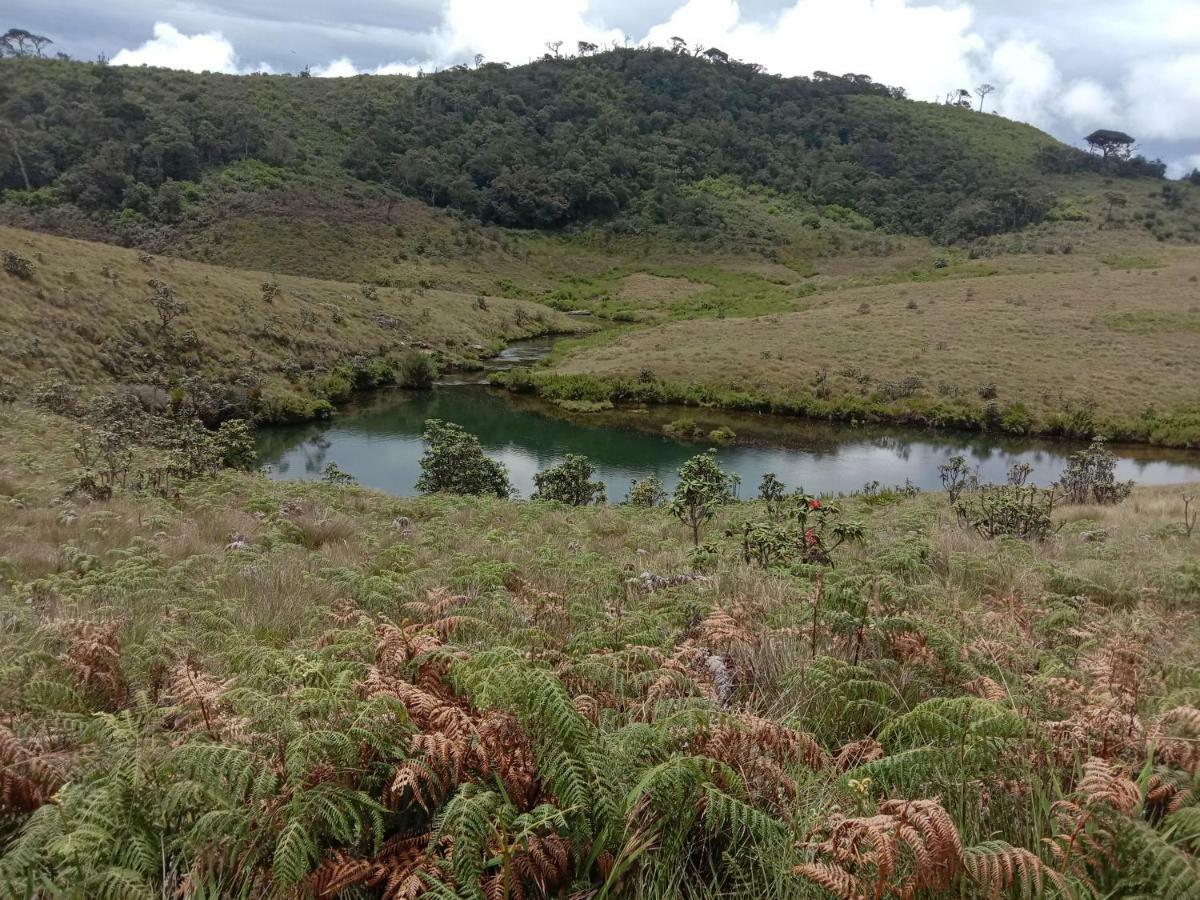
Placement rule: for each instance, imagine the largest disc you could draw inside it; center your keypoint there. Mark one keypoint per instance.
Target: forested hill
(621, 137)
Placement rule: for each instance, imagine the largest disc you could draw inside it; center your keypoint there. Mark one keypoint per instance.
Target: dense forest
(615, 137)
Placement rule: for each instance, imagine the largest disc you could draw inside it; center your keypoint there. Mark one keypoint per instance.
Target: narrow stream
(378, 441)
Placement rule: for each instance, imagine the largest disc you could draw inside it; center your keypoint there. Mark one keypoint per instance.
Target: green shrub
(569, 482)
(415, 370)
(1090, 476)
(646, 492)
(17, 265)
(454, 463)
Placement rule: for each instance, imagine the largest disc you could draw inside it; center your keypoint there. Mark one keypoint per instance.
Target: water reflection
(379, 443)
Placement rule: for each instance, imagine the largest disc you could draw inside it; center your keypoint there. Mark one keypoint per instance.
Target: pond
(378, 441)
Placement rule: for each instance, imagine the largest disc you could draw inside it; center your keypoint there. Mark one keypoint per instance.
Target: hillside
(623, 138)
(1074, 348)
(276, 347)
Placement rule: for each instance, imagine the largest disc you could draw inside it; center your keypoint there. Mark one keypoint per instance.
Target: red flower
(814, 503)
(810, 536)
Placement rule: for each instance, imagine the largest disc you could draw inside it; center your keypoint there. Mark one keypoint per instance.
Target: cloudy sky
(1068, 66)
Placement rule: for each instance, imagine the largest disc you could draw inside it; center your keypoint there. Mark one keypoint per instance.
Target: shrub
(957, 477)
(646, 492)
(334, 474)
(17, 265)
(810, 535)
(8, 391)
(415, 370)
(569, 482)
(722, 434)
(1013, 510)
(454, 463)
(702, 487)
(54, 394)
(772, 492)
(1090, 476)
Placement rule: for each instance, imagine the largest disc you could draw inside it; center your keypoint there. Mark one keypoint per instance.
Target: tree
(1110, 144)
(702, 487)
(569, 482)
(166, 304)
(586, 48)
(19, 42)
(982, 91)
(553, 47)
(1115, 200)
(454, 463)
(678, 45)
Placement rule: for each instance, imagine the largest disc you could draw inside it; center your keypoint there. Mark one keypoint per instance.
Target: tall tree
(1110, 144)
(982, 91)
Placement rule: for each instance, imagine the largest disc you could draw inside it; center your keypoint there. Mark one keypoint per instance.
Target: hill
(624, 138)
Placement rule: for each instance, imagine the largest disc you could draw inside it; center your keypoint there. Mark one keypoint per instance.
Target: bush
(454, 463)
(569, 482)
(646, 492)
(17, 265)
(415, 370)
(1090, 476)
(1012, 510)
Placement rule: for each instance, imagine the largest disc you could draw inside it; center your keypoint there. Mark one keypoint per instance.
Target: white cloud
(1180, 168)
(1087, 104)
(343, 67)
(1163, 98)
(172, 49)
(926, 49)
(1026, 77)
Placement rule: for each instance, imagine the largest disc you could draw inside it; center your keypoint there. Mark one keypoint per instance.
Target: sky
(1067, 66)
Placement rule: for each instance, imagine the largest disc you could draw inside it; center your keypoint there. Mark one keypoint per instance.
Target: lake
(378, 441)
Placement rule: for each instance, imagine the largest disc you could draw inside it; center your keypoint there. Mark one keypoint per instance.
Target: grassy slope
(940, 606)
(87, 307)
(1086, 313)
(1122, 338)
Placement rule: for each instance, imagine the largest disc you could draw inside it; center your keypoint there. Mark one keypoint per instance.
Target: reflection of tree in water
(315, 449)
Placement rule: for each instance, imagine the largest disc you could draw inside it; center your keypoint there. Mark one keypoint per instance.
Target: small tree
(569, 482)
(646, 492)
(1090, 476)
(772, 492)
(702, 487)
(454, 463)
(1115, 200)
(166, 304)
(957, 477)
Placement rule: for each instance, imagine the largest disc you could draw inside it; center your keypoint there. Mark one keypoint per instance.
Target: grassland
(87, 312)
(1114, 341)
(250, 690)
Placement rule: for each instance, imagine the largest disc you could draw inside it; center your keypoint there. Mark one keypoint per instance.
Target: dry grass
(86, 298)
(1123, 338)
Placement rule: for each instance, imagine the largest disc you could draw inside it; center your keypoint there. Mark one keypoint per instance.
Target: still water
(379, 442)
